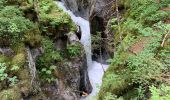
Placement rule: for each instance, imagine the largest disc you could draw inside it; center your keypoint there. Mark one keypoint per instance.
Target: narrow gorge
(95, 70)
(84, 49)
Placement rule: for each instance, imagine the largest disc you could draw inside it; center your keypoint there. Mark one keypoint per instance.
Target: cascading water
(95, 69)
(85, 29)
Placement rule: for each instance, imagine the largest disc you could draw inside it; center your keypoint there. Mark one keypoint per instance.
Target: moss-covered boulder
(54, 20)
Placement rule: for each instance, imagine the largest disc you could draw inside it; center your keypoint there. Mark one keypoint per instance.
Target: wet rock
(73, 38)
(99, 19)
(78, 33)
(85, 84)
(37, 52)
(98, 12)
(79, 7)
(60, 44)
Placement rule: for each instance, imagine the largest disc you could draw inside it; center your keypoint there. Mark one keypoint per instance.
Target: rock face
(101, 13)
(6, 51)
(98, 12)
(87, 8)
(79, 7)
(72, 77)
(71, 72)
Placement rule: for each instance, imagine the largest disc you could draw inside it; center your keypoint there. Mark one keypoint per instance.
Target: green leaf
(14, 68)
(53, 67)
(48, 72)
(44, 70)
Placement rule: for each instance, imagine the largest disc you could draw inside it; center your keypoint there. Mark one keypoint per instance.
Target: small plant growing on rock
(74, 50)
(45, 63)
(4, 74)
(13, 25)
(47, 73)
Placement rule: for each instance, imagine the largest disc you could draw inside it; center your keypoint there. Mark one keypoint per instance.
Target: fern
(162, 93)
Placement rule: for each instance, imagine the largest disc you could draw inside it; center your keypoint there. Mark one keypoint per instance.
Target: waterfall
(95, 69)
(85, 29)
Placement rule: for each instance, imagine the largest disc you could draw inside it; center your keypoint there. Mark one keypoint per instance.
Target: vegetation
(160, 94)
(139, 69)
(53, 16)
(13, 25)
(4, 75)
(30, 24)
(138, 62)
(74, 50)
(45, 63)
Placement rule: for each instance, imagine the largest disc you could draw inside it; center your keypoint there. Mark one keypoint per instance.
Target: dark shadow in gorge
(85, 85)
(98, 43)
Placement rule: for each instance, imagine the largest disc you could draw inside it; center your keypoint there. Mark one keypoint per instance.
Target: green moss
(18, 47)
(33, 37)
(19, 59)
(13, 24)
(3, 59)
(11, 94)
(161, 93)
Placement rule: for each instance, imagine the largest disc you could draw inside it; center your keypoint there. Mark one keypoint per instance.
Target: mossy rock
(19, 59)
(20, 55)
(55, 19)
(33, 37)
(26, 5)
(26, 87)
(19, 47)
(11, 94)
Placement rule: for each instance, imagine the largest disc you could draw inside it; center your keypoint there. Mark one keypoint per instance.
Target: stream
(95, 69)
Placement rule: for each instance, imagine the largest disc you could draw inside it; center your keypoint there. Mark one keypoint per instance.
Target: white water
(85, 29)
(95, 69)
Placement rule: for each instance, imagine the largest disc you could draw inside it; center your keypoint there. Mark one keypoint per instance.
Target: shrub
(74, 50)
(52, 15)
(143, 19)
(162, 93)
(46, 62)
(4, 75)
(10, 11)
(13, 25)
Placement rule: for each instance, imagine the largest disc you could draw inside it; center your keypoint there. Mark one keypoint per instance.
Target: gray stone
(7, 51)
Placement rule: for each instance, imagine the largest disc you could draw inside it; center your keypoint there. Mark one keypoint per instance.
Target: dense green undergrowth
(21, 26)
(142, 56)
